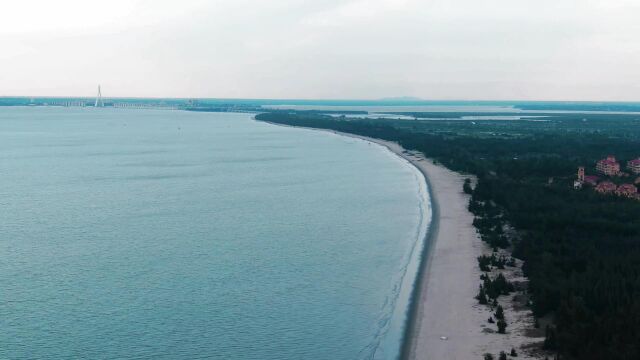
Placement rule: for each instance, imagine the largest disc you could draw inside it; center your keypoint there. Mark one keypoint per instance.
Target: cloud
(353, 12)
(453, 49)
(89, 17)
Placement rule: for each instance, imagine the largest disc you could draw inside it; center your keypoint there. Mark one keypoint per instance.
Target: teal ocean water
(140, 234)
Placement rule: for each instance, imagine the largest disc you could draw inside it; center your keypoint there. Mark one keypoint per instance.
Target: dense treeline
(581, 250)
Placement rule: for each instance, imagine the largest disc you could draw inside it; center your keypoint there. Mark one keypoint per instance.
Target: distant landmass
(402, 98)
(208, 104)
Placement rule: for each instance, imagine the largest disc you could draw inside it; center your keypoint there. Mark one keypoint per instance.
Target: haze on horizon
(335, 49)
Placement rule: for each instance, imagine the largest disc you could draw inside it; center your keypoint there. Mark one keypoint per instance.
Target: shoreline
(412, 316)
(421, 340)
(414, 334)
(443, 319)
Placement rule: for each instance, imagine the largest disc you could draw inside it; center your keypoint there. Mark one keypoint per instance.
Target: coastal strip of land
(445, 320)
(444, 323)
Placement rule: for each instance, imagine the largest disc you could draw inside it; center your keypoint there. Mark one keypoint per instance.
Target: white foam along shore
(445, 321)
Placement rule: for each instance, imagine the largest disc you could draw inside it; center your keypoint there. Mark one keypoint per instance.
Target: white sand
(449, 323)
(446, 303)
(447, 307)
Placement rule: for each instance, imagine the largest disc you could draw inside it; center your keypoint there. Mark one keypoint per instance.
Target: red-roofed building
(608, 166)
(591, 180)
(634, 165)
(606, 187)
(626, 190)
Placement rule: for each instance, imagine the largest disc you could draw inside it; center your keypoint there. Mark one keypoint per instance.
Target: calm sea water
(140, 234)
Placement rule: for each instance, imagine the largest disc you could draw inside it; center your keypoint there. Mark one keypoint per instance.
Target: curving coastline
(442, 320)
(411, 334)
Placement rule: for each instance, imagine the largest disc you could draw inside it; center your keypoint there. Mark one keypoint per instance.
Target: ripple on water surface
(166, 234)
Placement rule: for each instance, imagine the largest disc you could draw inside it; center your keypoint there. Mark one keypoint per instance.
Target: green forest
(581, 250)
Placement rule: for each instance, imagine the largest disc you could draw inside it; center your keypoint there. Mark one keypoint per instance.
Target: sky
(323, 49)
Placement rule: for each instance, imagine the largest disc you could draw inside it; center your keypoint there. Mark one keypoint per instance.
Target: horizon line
(386, 99)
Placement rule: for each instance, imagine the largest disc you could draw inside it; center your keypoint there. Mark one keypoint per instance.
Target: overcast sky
(336, 49)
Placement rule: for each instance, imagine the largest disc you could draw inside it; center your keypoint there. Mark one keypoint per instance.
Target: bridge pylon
(99, 102)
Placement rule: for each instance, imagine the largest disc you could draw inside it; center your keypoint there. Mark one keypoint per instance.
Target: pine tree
(500, 313)
(467, 186)
(502, 326)
(513, 352)
(503, 356)
(488, 356)
(482, 296)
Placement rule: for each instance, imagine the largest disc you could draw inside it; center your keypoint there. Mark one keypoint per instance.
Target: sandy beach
(446, 321)
(446, 304)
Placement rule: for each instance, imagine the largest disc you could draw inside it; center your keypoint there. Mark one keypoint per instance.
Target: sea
(166, 234)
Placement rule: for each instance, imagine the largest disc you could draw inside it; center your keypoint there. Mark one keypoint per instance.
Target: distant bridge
(120, 105)
(66, 103)
(143, 106)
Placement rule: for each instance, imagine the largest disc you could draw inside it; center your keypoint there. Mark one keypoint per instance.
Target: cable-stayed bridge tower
(99, 102)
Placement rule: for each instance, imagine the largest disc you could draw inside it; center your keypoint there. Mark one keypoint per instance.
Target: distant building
(608, 166)
(606, 187)
(634, 166)
(577, 184)
(626, 190)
